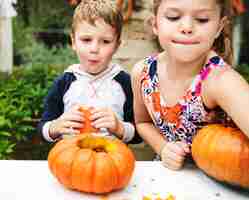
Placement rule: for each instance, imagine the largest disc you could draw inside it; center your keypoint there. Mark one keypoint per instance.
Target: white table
(32, 180)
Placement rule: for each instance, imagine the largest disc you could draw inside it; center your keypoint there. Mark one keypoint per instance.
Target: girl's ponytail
(223, 44)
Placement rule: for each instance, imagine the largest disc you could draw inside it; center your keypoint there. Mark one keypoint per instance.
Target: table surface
(32, 180)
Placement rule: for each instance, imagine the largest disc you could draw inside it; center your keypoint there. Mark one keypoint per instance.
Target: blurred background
(35, 48)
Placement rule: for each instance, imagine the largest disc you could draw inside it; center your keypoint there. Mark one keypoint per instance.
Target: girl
(191, 82)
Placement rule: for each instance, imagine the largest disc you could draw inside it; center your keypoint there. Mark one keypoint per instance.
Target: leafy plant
(244, 71)
(21, 99)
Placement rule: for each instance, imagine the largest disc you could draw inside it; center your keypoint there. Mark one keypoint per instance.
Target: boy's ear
(118, 44)
(72, 41)
(223, 22)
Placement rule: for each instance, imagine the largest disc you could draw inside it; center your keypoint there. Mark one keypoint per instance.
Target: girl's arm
(227, 88)
(143, 121)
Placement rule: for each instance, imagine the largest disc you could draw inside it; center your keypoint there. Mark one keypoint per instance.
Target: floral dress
(181, 121)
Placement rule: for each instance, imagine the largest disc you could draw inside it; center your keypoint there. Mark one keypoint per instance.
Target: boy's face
(94, 45)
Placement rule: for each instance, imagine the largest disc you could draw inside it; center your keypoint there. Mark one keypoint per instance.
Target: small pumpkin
(91, 163)
(87, 128)
(222, 153)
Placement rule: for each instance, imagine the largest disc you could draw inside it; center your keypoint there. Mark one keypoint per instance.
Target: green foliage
(22, 94)
(22, 35)
(244, 71)
(36, 52)
(46, 13)
(21, 99)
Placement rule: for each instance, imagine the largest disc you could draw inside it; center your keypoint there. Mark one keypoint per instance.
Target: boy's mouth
(93, 61)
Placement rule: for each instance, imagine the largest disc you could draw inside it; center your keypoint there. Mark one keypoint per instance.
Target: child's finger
(172, 164)
(72, 124)
(70, 131)
(184, 146)
(97, 115)
(73, 117)
(175, 147)
(103, 123)
(174, 156)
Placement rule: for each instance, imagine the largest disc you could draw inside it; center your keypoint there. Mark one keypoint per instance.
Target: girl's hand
(68, 123)
(106, 118)
(173, 154)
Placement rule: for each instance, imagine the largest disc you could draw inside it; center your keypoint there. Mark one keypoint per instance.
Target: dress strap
(213, 63)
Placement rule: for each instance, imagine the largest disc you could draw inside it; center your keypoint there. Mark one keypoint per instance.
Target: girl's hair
(223, 44)
(91, 10)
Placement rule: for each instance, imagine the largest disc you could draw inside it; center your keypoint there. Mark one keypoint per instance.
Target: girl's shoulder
(144, 65)
(214, 68)
(219, 79)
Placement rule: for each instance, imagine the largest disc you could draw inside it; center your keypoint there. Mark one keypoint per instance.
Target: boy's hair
(91, 10)
(223, 44)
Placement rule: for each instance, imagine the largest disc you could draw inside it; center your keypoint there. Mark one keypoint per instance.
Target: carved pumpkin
(87, 128)
(91, 163)
(223, 153)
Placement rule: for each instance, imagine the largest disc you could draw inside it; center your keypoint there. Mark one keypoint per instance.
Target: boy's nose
(94, 47)
(186, 26)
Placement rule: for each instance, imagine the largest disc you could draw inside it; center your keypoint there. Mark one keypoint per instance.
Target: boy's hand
(106, 118)
(68, 123)
(173, 154)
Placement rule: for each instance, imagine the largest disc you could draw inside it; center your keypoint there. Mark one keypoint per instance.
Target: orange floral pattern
(181, 121)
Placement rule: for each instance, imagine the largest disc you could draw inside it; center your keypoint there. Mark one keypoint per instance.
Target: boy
(96, 32)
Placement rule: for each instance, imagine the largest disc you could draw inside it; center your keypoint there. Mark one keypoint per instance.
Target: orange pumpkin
(87, 128)
(223, 153)
(91, 163)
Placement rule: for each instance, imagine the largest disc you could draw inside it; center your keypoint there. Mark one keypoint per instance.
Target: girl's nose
(186, 26)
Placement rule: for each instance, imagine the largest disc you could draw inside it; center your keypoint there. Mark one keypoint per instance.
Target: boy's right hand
(173, 154)
(68, 123)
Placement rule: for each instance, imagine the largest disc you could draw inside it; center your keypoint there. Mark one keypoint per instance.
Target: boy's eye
(86, 39)
(202, 20)
(172, 18)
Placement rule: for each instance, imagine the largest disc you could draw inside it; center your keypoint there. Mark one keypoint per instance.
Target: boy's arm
(53, 105)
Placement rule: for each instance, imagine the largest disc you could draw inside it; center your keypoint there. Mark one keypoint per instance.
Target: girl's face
(187, 29)
(94, 45)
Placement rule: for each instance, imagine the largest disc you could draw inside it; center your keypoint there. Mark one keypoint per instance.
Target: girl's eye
(202, 20)
(107, 41)
(172, 18)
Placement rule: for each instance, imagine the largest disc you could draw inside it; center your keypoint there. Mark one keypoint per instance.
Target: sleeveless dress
(181, 121)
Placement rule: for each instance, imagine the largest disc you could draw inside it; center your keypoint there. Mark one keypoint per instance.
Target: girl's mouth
(185, 42)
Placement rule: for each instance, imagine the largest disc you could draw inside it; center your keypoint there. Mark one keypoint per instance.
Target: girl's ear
(222, 24)
(153, 23)
(149, 24)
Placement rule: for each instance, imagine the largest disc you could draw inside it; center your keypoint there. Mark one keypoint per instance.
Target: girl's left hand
(105, 118)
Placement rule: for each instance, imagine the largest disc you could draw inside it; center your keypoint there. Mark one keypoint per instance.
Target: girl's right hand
(173, 154)
(68, 123)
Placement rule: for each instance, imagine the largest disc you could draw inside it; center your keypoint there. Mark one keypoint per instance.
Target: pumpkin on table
(92, 164)
(223, 153)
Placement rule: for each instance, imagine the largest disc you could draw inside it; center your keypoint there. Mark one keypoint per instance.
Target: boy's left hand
(106, 118)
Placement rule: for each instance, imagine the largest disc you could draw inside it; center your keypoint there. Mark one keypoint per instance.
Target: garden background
(41, 45)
